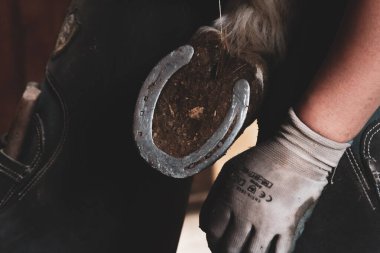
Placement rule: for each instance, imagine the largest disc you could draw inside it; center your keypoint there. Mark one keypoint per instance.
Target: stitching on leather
(366, 136)
(12, 174)
(6, 198)
(38, 152)
(43, 171)
(41, 141)
(357, 175)
(377, 185)
(53, 158)
(359, 170)
(370, 156)
(369, 143)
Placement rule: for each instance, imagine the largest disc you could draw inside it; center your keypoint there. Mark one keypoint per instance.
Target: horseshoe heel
(214, 147)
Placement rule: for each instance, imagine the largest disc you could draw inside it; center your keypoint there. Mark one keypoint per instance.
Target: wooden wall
(28, 30)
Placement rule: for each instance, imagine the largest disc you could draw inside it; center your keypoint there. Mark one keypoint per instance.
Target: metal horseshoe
(214, 147)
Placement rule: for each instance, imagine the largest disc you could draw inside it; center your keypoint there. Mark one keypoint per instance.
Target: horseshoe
(214, 147)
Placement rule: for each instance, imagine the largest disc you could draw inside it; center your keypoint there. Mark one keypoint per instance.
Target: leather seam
(37, 157)
(366, 136)
(6, 198)
(359, 170)
(51, 161)
(359, 179)
(10, 173)
(369, 143)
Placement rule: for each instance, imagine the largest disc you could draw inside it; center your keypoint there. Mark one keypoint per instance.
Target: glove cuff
(309, 145)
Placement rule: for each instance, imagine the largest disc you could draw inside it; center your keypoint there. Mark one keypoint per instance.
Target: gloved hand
(267, 193)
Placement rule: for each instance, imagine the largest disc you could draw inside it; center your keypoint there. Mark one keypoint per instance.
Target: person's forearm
(346, 91)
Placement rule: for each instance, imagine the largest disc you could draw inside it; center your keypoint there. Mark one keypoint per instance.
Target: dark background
(28, 30)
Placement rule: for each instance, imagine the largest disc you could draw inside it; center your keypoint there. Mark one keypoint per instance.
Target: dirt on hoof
(196, 98)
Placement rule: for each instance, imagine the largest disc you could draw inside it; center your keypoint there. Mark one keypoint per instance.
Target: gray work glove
(269, 191)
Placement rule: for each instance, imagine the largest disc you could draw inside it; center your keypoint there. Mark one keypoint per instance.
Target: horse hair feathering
(256, 27)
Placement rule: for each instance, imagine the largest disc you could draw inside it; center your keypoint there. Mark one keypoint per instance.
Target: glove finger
(217, 224)
(213, 198)
(284, 244)
(235, 236)
(206, 212)
(209, 207)
(259, 243)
